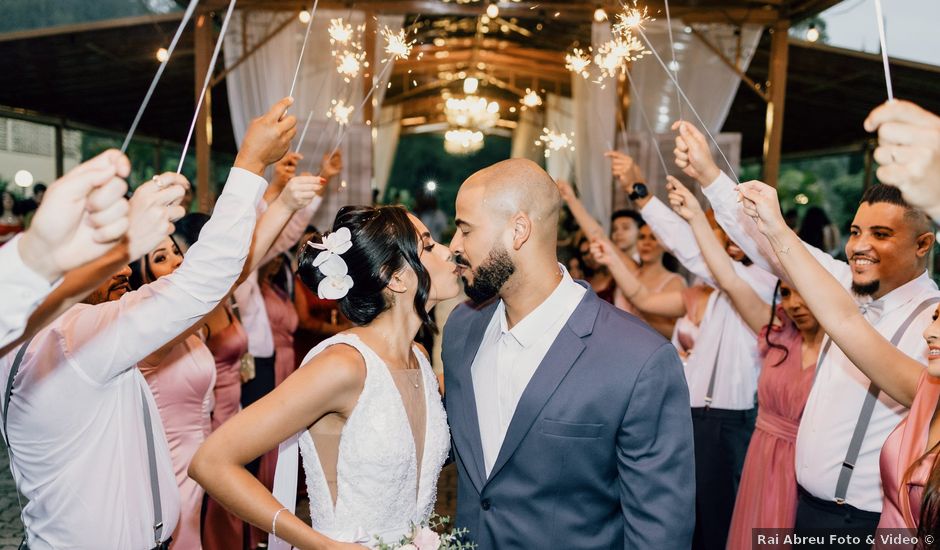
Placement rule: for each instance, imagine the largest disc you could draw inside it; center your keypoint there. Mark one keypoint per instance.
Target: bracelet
(274, 521)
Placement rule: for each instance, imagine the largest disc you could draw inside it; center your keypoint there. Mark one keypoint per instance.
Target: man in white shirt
(722, 370)
(83, 217)
(840, 485)
(570, 418)
(87, 444)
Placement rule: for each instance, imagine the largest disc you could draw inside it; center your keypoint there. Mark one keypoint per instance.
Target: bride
(374, 434)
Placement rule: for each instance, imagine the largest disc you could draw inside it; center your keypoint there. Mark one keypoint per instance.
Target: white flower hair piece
(336, 281)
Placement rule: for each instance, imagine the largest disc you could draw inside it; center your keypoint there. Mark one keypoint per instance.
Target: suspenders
(868, 406)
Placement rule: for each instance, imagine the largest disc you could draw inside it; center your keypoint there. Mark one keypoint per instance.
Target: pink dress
(182, 388)
(223, 530)
(906, 462)
(767, 493)
(283, 317)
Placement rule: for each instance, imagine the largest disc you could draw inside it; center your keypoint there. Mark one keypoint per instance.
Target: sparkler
(555, 141)
(675, 64)
(205, 82)
(884, 49)
(348, 64)
(340, 33)
(646, 122)
(578, 62)
(303, 134)
(396, 44)
(156, 77)
(340, 112)
(303, 47)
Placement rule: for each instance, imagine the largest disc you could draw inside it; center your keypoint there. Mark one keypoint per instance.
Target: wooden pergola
(529, 51)
(88, 72)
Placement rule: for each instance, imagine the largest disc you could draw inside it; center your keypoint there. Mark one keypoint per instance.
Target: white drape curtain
(558, 118)
(528, 129)
(709, 84)
(386, 135)
(266, 76)
(595, 120)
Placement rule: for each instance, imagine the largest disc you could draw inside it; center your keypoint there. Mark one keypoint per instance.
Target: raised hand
(285, 169)
(268, 138)
(154, 207)
(623, 167)
(565, 189)
(909, 152)
(682, 200)
(693, 155)
(761, 203)
(82, 216)
(603, 250)
(300, 191)
(331, 165)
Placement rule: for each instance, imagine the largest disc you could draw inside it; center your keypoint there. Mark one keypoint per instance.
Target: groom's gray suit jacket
(598, 454)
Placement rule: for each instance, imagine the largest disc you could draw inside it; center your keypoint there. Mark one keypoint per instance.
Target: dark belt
(835, 507)
(726, 414)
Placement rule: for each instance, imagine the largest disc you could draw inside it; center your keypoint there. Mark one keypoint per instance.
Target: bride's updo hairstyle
(383, 242)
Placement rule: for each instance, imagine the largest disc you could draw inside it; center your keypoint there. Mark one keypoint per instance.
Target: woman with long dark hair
(789, 340)
(364, 405)
(909, 475)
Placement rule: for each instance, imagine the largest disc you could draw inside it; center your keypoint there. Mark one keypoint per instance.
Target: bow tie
(872, 310)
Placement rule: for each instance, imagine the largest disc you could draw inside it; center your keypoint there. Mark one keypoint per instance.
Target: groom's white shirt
(508, 358)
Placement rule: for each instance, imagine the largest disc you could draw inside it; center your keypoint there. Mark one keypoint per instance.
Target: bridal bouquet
(428, 536)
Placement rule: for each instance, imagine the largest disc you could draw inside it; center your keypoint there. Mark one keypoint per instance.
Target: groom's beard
(489, 278)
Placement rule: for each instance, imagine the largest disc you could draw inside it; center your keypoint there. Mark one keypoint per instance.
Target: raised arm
(655, 457)
(752, 308)
(694, 157)
(888, 367)
(909, 152)
(330, 383)
(109, 338)
(591, 227)
(667, 304)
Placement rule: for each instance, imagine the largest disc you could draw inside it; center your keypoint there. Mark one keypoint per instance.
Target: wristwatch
(639, 191)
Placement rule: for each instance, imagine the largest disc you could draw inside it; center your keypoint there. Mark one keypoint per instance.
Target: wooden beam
(753, 86)
(91, 26)
(203, 45)
(370, 77)
(246, 54)
(773, 136)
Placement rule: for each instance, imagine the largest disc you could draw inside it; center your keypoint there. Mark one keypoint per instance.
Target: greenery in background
(20, 15)
(421, 158)
(833, 182)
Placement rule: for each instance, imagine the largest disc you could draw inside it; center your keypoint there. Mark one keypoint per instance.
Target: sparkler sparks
(397, 44)
(340, 112)
(340, 33)
(630, 19)
(577, 62)
(555, 141)
(348, 63)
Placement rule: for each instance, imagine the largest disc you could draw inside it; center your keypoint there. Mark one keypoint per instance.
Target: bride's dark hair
(383, 241)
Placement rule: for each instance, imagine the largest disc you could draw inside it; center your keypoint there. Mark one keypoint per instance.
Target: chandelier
(472, 112)
(463, 141)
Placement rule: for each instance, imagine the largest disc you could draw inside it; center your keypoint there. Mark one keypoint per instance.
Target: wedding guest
(789, 346)
(908, 152)
(818, 231)
(908, 459)
(88, 449)
(887, 249)
(11, 222)
(181, 374)
(39, 190)
(596, 274)
(722, 375)
(63, 238)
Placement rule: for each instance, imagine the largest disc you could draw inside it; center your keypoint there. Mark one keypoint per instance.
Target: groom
(570, 419)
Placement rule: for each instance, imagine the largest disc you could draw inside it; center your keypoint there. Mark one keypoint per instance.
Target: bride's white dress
(377, 470)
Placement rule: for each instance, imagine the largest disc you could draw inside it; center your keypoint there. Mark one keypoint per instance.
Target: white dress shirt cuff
(23, 290)
(246, 184)
(721, 193)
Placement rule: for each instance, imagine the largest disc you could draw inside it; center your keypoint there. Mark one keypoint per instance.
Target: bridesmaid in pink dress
(229, 342)
(282, 315)
(181, 376)
(767, 495)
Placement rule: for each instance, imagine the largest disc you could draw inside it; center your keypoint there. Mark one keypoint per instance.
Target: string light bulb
(600, 15)
(492, 11)
(162, 55)
(812, 33)
(470, 85)
(304, 16)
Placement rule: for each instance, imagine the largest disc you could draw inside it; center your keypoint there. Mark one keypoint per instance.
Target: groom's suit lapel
(561, 356)
(469, 438)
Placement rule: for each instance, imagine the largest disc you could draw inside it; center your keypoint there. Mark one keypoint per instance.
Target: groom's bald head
(517, 186)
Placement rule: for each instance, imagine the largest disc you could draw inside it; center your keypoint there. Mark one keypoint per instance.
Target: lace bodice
(376, 471)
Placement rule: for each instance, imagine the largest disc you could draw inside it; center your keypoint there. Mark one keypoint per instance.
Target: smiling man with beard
(570, 418)
(847, 419)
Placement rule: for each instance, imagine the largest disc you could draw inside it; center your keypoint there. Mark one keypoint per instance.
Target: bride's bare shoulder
(339, 364)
